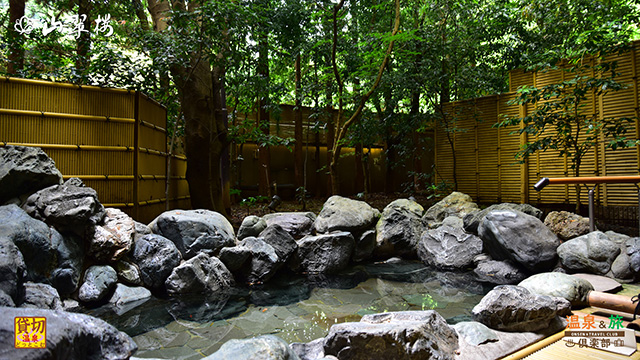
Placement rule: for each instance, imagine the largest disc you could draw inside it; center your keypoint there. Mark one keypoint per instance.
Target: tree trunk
(262, 121)
(359, 164)
(16, 51)
(297, 151)
(414, 113)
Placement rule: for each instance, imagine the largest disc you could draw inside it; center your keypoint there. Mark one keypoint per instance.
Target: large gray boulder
(297, 224)
(499, 272)
(592, 253)
(455, 204)
(281, 240)
(513, 235)
(251, 226)
(200, 274)
(49, 256)
(156, 257)
(41, 296)
(25, 170)
(401, 335)
(514, 308)
(365, 245)
(265, 347)
(567, 225)
(13, 272)
(113, 237)
(260, 263)
(195, 231)
(70, 207)
(449, 247)
(399, 229)
(556, 284)
(343, 214)
(70, 336)
(98, 281)
(323, 254)
(474, 219)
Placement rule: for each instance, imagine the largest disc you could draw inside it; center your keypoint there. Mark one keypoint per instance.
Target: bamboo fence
(486, 167)
(114, 140)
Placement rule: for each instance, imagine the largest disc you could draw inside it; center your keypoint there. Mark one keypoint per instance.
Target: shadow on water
(428, 289)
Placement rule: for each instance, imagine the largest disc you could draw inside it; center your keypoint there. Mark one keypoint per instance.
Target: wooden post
(524, 168)
(136, 156)
(499, 149)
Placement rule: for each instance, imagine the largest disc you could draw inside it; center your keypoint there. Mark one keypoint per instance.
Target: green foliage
(253, 200)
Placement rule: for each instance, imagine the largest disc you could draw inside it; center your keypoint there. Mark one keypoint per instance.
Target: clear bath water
(295, 308)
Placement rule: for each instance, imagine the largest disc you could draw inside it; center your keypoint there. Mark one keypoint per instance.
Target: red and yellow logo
(30, 332)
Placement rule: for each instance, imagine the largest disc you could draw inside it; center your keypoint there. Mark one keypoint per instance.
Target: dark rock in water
(205, 308)
(365, 245)
(49, 256)
(343, 214)
(473, 220)
(70, 207)
(449, 248)
(200, 274)
(69, 336)
(592, 253)
(41, 296)
(297, 224)
(328, 253)
(554, 284)
(113, 237)
(513, 235)
(266, 347)
(13, 271)
(514, 308)
(125, 298)
(234, 258)
(475, 333)
(271, 294)
(195, 231)
(97, 283)
(455, 204)
(156, 257)
(261, 263)
(499, 272)
(251, 226)
(399, 229)
(25, 170)
(401, 335)
(128, 272)
(280, 239)
(567, 225)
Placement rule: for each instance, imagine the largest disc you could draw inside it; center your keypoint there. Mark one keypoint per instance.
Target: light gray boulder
(449, 247)
(567, 225)
(41, 296)
(265, 347)
(475, 333)
(473, 219)
(251, 226)
(400, 335)
(514, 308)
(200, 274)
(297, 224)
(156, 256)
(98, 281)
(195, 231)
(69, 336)
(127, 297)
(513, 235)
(343, 214)
(70, 207)
(455, 204)
(25, 170)
(323, 254)
(113, 237)
(592, 253)
(556, 284)
(399, 229)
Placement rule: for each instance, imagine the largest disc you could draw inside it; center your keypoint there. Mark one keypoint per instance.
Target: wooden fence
(486, 167)
(114, 140)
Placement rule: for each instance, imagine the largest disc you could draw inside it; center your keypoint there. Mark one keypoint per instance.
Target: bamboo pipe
(535, 347)
(632, 179)
(611, 301)
(71, 147)
(47, 114)
(65, 85)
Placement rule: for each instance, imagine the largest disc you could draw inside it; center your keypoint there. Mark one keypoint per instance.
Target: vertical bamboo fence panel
(486, 167)
(114, 140)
